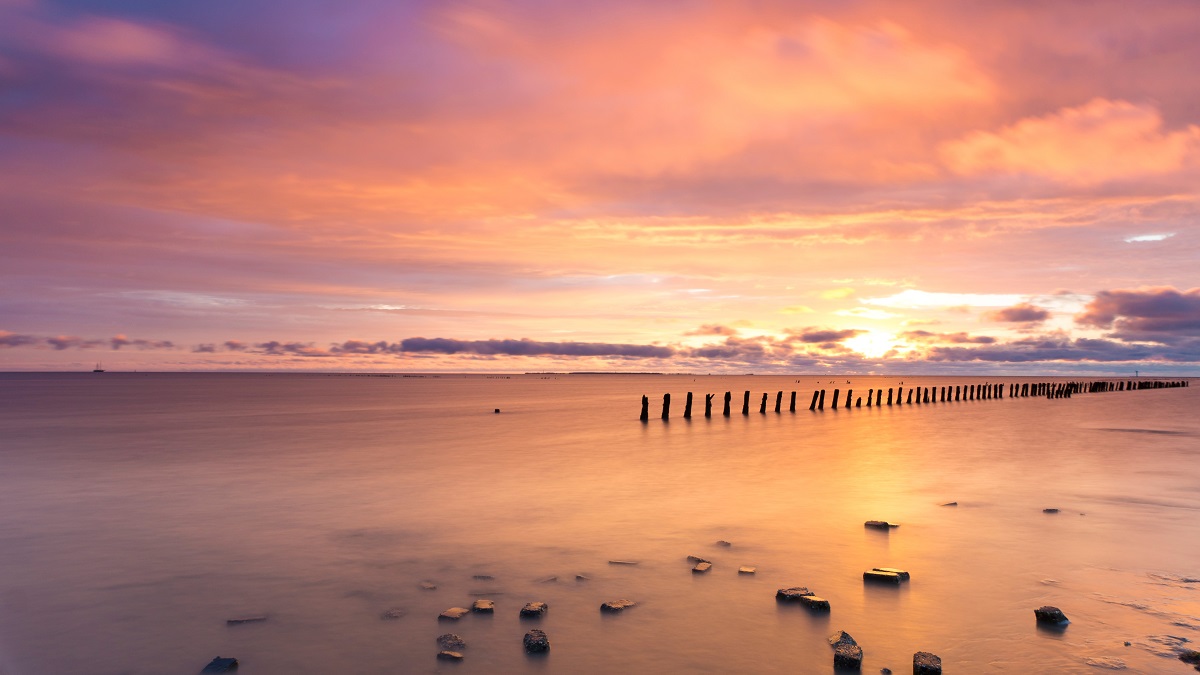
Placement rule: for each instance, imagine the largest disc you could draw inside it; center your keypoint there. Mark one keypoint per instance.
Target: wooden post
(956, 392)
(708, 405)
(821, 402)
(726, 413)
(849, 397)
(900, 395)
(836, 393)
(778, 401)
(943, 394)
(909, 401)
(879, 397)
(762, 407)
(645, 408)
(870, 396)
(687, 407)
(793, 406)
(746, 404)
(813, 405)
(889, 395)
(666, 406)
(858, 402)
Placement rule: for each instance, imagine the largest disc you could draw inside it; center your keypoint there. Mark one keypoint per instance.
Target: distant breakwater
(919, 395)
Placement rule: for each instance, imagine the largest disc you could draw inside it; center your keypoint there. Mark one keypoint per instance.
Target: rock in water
(622, 562)
(696, 560)
(881, 576)
(483, 606)
(451, 641)
(724, 543)
(1050, 615)
(1049, 510)
(221, 665)
(616, 605)
(702, 567)
(815, 603)
(1190, 656)
(245, 619)
(950, 504)
(447, 655)
(428, 586)
(841, 637)
(536, 642)
(453, 614)
(847, 657)
(880, 524)
(792, 594)
(747, 570)
(904, 576)
(925, 663)
(393, 613)
(534, 610)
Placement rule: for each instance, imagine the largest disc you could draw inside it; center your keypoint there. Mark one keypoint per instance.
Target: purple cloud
(1022, 313)
(956, 338)
(1160, 314)
(812, 335)
(527, 347)
(11, 339)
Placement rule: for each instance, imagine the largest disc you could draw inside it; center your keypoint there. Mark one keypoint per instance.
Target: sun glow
(873, 344)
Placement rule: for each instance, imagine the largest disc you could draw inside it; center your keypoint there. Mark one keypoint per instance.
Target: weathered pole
(792, 408)
(687, 407)
(778, 401)
(836, 393)
(666, 406)
(727, 397)
(870, 396)
(708, 405)
(645, 408)
(813, 405)
(889, 395)
(746, 403)
(821, 402)
(762, 407)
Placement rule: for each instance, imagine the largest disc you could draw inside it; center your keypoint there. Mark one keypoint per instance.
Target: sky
(841, 186)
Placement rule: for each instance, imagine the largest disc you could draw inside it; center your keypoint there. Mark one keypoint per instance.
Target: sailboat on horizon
(97, 369)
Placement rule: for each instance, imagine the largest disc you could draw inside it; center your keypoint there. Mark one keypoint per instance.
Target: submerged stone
(622, 562)
(1051, 615)
(580, 577)
(695, 559)
(950, 504)
(536, 642)
(447, 655)
(453, 614)
(880, 524)
(616, 605)
(815, 603)
(483, 577)
(724, 543)
(904, 576)
(221, 665)
(483, 606)
(393, 613)
(1190, 656)
(428, 586)
(1049, 510)
(925, 663)
(702, 567)
(534, 609)
(747, 570)
(245, 619)
(792, 594)
(451, 641)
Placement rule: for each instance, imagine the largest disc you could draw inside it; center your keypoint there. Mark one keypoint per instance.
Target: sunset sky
(800, 187)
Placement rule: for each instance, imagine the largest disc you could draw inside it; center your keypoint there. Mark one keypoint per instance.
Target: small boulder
(534, 610)
(815, 603)
(622, 562)
(904, 576)
(841, 637)
(881, 576)
(393, 613)
(1049, 510)
(724, 543)
(1050, 615)
(581, 577)
(221, 665)
(447, 655)
(950, 504)
(451, 641)
(702, 567)
(695, 559)
(792, 594)
(747, 570)
(428, 586)
(536, 642)
(453, 614)
(880, 524)
(885, 671)
(616, 605)
(1190, 657)
(483, 607)
(925, 663)
(847, 657)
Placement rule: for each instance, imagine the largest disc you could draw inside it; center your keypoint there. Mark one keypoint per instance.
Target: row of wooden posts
(922, 394)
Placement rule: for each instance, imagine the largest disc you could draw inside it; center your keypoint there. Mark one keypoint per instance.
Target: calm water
(138, 512)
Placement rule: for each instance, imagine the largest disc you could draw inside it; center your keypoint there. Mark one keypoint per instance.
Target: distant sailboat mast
(97, 369)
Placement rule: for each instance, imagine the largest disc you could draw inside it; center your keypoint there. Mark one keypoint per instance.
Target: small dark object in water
(1051, 615)
(580, 577)
(534, 609)
(536, 642)
(447, 655)
(221, 665)
(451, 641)
(484, 577)
(904, 576)
(497, 411)
(882, 576)
(245, 619)
(885, 671)
(792, 594)
(695, 559)
(724, 543)
(622, 562)
(925, 663)
(616, 605)
(1049, 510)
(428, 586)
(815, 603)
(880, 524)
(393, 613)
(1190, 656)
(547, 580)
(950, 504)
(483, 607)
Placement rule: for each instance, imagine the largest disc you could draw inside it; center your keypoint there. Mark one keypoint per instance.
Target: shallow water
(139, 512)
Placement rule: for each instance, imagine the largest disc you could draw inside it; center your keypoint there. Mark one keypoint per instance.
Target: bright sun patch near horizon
(872, 344)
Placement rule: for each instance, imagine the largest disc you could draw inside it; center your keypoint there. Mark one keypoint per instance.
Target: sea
(141, 512)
